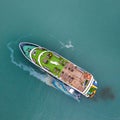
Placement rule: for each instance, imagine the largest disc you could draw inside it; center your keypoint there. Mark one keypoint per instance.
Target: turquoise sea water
(85, 32)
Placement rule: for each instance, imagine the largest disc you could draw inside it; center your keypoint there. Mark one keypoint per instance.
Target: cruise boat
(67, 77)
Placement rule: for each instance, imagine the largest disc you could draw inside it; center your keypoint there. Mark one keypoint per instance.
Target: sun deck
(48, 61)
(75, 77)
(61, 68)
(35, 54)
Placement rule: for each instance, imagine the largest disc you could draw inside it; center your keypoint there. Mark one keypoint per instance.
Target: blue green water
(85, 32)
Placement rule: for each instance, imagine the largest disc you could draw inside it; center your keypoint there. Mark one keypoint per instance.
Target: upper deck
(75, 77)
(63, 69)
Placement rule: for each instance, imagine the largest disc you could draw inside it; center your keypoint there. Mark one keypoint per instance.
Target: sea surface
(87, 32)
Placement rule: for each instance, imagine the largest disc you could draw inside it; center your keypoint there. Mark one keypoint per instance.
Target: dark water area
(85, 32)
(105, 94)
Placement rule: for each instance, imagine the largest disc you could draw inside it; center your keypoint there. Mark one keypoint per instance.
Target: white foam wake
(43, 77)
(68, 45)
(63, 45)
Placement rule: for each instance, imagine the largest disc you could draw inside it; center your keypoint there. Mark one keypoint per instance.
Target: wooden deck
(75, 77)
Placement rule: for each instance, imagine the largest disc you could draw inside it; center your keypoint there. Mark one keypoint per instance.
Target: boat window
(86, 82)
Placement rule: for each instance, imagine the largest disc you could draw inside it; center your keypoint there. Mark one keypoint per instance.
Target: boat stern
(93, 89)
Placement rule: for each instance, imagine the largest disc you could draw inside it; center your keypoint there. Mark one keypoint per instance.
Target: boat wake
(63, 45)
(49, 80)
(68, 45)
(42, 77)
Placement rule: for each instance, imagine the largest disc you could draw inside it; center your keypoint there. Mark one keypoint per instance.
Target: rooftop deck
(35, 54)
(75, 77)
(62, 68)
(49, 61)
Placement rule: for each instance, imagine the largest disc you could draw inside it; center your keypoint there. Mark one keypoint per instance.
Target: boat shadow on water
(105, 93)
